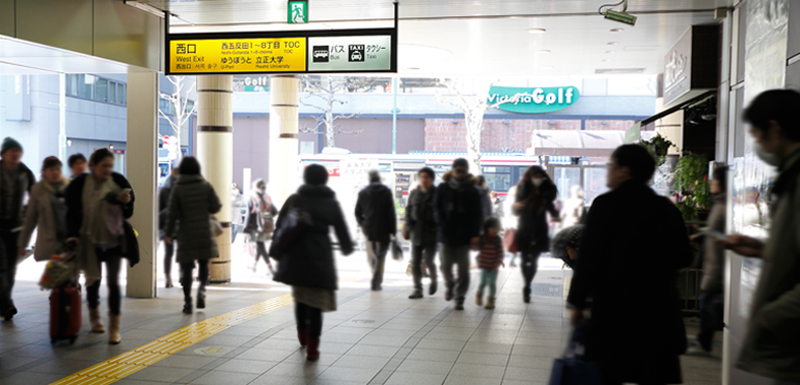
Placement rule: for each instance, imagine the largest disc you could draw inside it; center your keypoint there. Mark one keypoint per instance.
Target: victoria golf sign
(538, 100)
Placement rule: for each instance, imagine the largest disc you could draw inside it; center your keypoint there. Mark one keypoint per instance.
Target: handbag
(573, 368)
(510, 240)
(293, 225)
(397, 250)
(216, 227)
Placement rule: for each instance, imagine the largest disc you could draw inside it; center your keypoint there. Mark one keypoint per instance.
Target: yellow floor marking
(130, 362)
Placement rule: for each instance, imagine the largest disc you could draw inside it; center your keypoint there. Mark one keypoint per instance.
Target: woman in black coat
(536, 195)
(98, 204)
(192, 202)
(308, 264)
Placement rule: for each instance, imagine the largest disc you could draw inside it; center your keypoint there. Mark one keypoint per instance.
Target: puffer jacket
(457, 206)
(41, 215)
(192, 202)
(309, 261)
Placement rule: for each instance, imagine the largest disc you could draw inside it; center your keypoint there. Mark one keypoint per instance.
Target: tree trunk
(329, 129)
(474, 124)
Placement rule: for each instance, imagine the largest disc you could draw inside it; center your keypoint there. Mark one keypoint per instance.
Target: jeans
(308, 318)
(234, 231)
(8, 266)
(186, 277)
(169, 251)
(530, 264)
(488, 278)
(417, 254)
(456, 255)
(711, 308)
(113, 260)
(376, 254)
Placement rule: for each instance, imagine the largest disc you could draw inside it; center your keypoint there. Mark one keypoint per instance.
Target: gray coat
(40, 214)
(772, 345)
(192, 202)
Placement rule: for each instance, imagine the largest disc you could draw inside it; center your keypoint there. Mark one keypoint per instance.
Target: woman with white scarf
(97, 205)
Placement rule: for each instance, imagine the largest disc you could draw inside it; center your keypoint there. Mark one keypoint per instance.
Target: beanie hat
(9, 143)
(461, 162)
(315, 175)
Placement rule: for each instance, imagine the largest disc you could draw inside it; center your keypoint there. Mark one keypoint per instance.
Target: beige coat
(772, 345)
(40, 214)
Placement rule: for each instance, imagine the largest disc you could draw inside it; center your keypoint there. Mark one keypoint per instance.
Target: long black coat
(191, 203)
(533, 233)
(309, 262)
(633, 245)
(420, 218)
(375, 212)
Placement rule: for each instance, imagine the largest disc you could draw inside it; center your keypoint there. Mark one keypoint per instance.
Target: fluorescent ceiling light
(612, 43)
(606, 60)
(543, 51)
(611, 52)
(537, 30)
(616, 29)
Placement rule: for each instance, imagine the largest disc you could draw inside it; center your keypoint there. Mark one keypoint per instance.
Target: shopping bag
(397, 250)
(573, 368)
(510, 240)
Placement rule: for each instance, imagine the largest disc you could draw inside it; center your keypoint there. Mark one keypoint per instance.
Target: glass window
(594, 183)
(87, 89)
(72, 85)
(112, 92)
(101, 90)
(189, 106)
(565, 178)
(122, 97)
(498, 178)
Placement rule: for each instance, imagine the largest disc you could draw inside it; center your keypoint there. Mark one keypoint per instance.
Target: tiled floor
(374, 338)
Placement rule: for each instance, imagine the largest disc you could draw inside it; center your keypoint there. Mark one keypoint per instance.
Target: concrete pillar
(215, 153)
(284, 160)
(142, 151)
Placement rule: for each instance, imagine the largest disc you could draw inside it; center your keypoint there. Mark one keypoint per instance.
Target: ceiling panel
(22, 57)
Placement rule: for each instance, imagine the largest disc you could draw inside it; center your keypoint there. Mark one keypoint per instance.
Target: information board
(366, 50)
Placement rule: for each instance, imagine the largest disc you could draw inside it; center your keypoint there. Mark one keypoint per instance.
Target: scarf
(96, 229)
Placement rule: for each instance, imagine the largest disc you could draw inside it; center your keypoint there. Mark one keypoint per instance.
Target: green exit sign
(298, 12)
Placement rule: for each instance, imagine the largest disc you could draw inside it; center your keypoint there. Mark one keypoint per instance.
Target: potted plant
(693, 196)
(658, 147)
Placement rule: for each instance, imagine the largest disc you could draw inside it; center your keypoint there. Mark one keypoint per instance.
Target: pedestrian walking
(490, 259)
(486, 200)
(47, 213)
(711, 287)
(375, 214)
(535, 198)
(192, 202)
(237, 220)
(163, 214)
(574, 208)
(309, 266)
(98, 204)
(16, 181)
(260, 222)
(457, 206)
(633, 245)
(510, 223)
(420, 229)
(771, 345)
(77, 165)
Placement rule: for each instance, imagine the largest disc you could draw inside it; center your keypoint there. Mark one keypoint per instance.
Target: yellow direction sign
(238, 55)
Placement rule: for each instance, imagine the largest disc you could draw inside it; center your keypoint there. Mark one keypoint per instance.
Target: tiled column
(215, 153)
(284, 161)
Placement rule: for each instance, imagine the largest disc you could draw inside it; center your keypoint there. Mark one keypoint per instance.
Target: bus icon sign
(321, 54)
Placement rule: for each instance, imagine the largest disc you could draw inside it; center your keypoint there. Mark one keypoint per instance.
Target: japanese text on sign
(238, 55)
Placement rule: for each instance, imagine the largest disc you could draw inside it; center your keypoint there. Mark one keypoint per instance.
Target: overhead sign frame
(305, 37)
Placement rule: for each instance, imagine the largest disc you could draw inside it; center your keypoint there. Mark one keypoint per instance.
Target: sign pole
(394, 116)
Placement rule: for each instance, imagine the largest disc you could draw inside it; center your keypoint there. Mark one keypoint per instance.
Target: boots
(114, 337)
(490, 303)
(187, 305)
(302, 336)
(169, 283)
(201, 297)
(479, 298)
(433, 287)
(94, 320)
(312, 350)
(417, 294)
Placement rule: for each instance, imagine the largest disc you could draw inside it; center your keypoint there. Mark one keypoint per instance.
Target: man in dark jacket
(420, 228)
(457, 206)
(633, 245)
(376, 215)
(163, 214)
(16, 180)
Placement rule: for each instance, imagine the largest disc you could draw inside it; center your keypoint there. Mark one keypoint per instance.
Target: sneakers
(417, 294)
(460, 304)
(377, 288)
(696, 350)
(479, 299)
(168, 285)
(432, 289)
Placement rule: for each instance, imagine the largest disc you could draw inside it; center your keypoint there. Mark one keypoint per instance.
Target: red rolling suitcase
(65, 313)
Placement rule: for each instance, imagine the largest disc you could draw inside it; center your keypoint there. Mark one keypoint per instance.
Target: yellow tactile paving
(130, 362)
